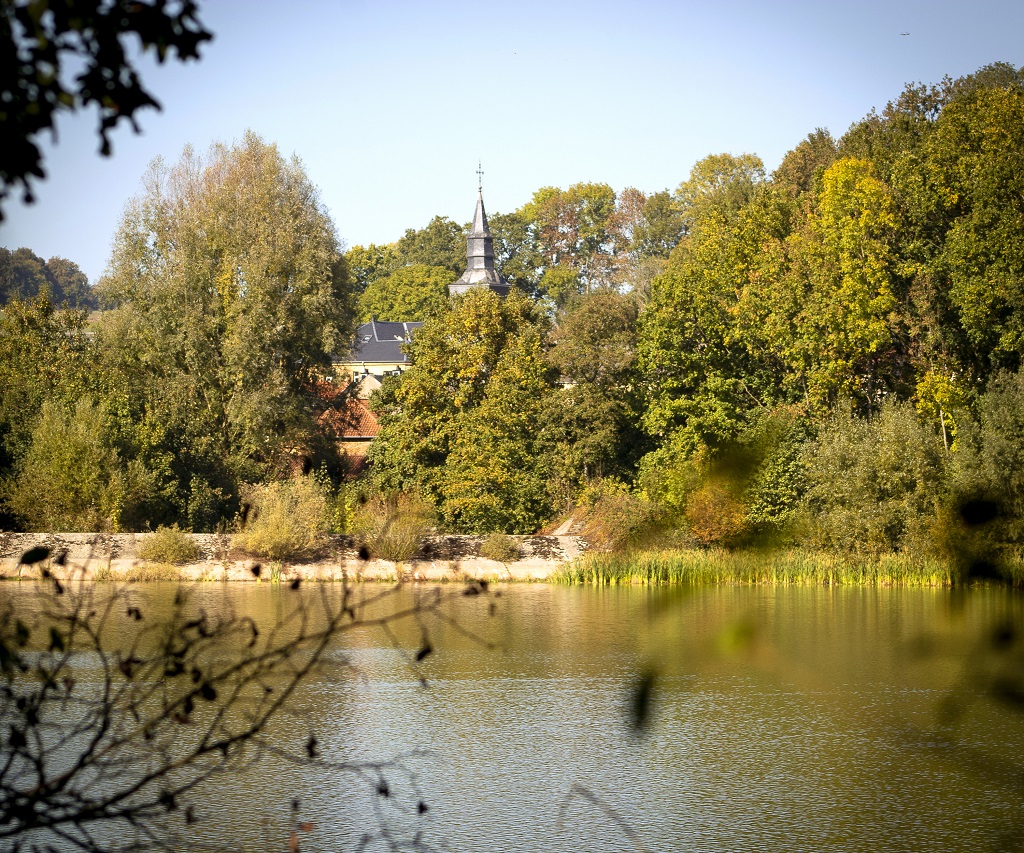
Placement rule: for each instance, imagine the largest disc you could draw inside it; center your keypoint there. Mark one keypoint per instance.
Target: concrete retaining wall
(115, 556)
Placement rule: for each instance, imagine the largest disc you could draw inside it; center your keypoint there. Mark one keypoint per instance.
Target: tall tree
(590, 425)
(230, 296)
(573, 232)
(458, 394)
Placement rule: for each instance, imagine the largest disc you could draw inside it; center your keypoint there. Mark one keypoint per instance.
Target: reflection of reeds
(699, 567)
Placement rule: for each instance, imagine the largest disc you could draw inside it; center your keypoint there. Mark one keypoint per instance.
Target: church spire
(480, 271)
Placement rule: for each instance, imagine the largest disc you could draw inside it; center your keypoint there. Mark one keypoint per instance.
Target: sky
(391, 104)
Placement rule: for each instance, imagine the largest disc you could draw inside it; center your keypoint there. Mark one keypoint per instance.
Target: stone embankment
(440, 558)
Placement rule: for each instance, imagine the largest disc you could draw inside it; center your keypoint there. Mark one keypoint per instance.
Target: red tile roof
(351, 419)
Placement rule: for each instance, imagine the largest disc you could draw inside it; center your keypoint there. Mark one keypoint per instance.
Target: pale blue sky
(390, 104)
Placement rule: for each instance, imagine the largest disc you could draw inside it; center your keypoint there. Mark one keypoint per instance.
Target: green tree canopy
(441, 243)
(459, 425)
(230, 296)
(415, 292)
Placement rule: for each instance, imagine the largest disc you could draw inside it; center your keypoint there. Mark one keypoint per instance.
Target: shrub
(152, 572)
(286, 520)
(875, 484)
(169, 545)
(613, 516)
(392, 527)
(500, 547)
(715, 514)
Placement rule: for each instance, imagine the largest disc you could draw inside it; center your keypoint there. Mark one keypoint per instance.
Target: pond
(779, 719)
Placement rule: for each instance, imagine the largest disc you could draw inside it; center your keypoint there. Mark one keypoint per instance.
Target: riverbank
(96, 556)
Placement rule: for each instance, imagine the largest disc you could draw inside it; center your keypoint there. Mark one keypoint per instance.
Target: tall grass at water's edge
(806, 568)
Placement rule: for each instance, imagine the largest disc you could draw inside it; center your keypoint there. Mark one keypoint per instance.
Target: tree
(44, 354)
(572, 230)
(413, 292)
(461, 391)
(875, 484)
(801, 168)
(230, 296)
(516, 254)
(368, 263)
(721, 181)
(848, 326)
(442, 243)
(24, 275)
(974, 162)
(44, 42)
(590, 426)
(494, 478)
(72, 288)
(72, 479)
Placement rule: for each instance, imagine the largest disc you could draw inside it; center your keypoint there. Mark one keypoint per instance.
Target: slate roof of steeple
(480, 271)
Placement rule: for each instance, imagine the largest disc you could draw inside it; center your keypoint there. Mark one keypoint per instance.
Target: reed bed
(705, 567)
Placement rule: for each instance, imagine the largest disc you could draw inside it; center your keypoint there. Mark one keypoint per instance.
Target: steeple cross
(480, 176)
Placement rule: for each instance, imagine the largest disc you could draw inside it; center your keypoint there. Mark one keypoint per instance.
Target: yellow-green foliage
(392, 527)
(286, 520)
(169, 545)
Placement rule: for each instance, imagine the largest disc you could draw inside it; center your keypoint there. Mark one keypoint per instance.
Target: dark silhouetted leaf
(1003, 636)
(311, 746)
(34, 555)
(207, 692)
(422, 653)
(640, 701)
(56, 640)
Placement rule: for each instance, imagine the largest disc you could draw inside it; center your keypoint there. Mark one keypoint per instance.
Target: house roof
(351, 420)
(381, 341)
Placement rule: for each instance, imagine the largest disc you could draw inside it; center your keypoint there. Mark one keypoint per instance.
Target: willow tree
(230, 295)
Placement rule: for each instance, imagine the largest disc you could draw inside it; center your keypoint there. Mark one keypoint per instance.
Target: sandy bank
(440, 558)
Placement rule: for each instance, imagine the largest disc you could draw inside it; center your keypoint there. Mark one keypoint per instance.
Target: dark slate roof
(381, 341)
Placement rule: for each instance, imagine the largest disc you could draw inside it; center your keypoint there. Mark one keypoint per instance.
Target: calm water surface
(781, 719)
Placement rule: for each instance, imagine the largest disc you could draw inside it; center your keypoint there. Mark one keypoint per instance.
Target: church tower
(480, 271)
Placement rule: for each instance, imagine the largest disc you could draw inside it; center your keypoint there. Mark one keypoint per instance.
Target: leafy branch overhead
(59, 56)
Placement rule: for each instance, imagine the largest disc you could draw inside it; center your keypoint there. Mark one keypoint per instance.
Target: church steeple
(480, 271)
